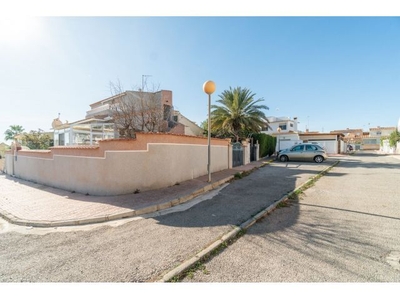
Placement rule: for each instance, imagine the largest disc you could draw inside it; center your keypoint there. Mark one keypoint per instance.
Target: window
(371, 141)
(282, 126)
(298, 148)
(311, 148)
(291, 124)
(61, 139)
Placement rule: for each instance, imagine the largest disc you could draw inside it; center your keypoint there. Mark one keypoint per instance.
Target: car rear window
(311, 148)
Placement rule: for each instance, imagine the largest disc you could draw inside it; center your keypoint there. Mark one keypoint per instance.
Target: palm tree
(238, 114)
(13, 131)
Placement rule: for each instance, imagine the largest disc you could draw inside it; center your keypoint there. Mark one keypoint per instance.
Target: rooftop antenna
(144, 81)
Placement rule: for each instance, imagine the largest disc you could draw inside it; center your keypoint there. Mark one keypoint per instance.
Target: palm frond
(238, 111)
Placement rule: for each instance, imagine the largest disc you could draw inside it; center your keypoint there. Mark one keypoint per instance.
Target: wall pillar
(230, 154)
(257, 145)
(246, 152)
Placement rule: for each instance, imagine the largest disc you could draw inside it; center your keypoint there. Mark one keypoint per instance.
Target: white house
(285, 131)
(285, 124)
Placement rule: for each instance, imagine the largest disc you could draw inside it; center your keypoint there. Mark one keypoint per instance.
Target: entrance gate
(237, 154)
(253, 152)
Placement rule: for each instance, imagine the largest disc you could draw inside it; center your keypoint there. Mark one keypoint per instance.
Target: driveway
(345, 228)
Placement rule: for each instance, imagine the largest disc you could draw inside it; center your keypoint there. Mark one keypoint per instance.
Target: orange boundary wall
(139, 143)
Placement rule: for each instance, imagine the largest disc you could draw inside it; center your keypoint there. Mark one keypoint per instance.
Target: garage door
(331, 147)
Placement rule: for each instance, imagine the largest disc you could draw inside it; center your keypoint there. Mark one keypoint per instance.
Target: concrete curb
(235, 231)
(134, 213)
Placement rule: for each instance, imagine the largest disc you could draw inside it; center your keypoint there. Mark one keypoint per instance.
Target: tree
(204, 126)
(239, 113)
(13, 131)
(138, 111)
(394, 138)
(37, 139)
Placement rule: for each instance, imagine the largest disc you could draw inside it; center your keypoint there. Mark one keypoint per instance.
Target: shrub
(267, 143)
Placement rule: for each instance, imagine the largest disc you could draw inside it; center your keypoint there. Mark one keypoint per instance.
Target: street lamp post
(209, 88)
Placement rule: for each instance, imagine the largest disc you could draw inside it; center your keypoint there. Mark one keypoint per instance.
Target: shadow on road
(323, 240)
(244, 198)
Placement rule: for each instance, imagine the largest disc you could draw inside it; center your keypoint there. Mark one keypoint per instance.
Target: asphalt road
(143, 249)
(345, 228)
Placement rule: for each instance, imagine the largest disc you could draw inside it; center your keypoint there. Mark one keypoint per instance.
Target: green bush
(267, 143)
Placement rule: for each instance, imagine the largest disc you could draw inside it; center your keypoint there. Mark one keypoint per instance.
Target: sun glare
(19, 30)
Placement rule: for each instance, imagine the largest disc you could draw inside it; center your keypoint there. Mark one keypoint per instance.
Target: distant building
(352, 137)
(365, 140)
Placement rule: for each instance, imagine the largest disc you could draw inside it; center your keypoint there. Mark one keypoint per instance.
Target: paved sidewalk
(30, 204)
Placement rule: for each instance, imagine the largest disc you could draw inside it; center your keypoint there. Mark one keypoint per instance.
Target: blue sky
(330, 72)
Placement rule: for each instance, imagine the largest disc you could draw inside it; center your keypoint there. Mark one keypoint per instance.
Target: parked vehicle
(303, 152)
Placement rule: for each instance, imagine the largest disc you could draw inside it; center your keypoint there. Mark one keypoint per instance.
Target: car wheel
(318, 159)
(283, 158)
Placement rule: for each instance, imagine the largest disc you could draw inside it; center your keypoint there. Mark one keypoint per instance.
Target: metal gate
(237, 154)
(253, 152)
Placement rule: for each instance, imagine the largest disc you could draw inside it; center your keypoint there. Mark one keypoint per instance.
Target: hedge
(267, 143)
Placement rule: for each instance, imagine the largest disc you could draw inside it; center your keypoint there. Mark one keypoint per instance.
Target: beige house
(102, 109)
(185, 126)
(381, 131)
(376, 134)
(99, 123)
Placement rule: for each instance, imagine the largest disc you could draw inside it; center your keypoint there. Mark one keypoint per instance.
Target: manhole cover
(393, 259)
